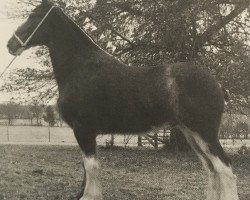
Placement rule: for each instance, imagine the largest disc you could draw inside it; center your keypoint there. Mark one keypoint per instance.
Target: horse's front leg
(87, 141)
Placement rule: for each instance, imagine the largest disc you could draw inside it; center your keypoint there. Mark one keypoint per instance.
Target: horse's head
(32, 32)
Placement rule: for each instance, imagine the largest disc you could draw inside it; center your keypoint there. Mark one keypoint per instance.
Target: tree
(126, 139)
(213, 34)
(10, 111)
(50, 116)
(58, 118)
(36, 109)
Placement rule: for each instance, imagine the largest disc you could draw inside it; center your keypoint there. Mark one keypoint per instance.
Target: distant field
(55, 173)
(64, 135)
(31, 134)
(40, 134)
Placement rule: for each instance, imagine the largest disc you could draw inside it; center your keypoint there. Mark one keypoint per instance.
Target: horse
(99, 94)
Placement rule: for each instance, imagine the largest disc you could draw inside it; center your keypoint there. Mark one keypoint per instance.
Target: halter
(23, 44)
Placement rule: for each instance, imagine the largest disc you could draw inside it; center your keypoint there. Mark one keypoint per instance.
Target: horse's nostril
(8, 45)
(10, 49)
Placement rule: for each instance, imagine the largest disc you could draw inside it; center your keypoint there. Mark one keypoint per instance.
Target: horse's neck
(68, 47)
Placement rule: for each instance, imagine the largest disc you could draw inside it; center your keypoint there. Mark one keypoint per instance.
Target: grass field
(55, 172)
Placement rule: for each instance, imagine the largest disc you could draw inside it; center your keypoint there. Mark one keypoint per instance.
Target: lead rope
(7, 67)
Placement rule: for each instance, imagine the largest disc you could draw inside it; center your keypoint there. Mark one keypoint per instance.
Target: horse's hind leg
(222, 182)
(87, 142)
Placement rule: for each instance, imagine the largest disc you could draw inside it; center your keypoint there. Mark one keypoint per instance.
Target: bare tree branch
(208, 34)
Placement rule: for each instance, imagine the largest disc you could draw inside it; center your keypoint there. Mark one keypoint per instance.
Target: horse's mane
(80, 31)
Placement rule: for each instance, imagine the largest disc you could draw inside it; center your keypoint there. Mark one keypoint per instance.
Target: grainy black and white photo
(124, 100)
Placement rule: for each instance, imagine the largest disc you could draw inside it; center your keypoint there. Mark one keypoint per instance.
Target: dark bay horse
(99, 94)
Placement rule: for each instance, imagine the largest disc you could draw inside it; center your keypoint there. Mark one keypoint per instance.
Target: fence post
(8, 135)
(139, 141)
(112, 141)
(49, 132)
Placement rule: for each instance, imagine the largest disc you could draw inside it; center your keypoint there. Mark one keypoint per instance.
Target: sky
(7, 27)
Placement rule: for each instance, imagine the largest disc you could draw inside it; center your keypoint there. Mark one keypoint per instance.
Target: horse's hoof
(90, 197)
